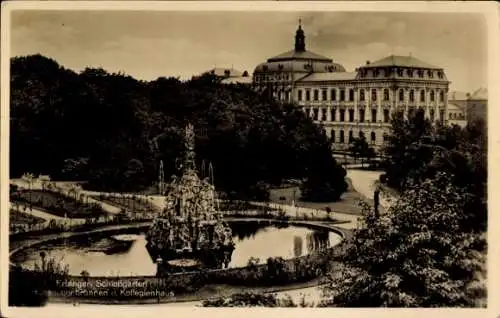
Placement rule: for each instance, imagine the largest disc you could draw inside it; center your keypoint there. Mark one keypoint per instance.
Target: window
(351, 115)
(374, 94)
(362, 94)
(342, 95)
(410, 73)
(372, 137)
(412, 96)
(420, 73)
(361, 134)
(441, 96)
(361, 115)
(400, 72)
(386, 115)
(351, 136)
(316, 114)
(351, 95)
(333, 94)
(374, 115)
(422, 96)
(342, 139)
(431, 113)
(323, 115)
(323, 95)
(441, 115)
(332, 114)
(432, 96)
(316, 94)
(401, 95)
(299, 95)
(342, 115)
(450, 116)
(308, 95)
(430, 73)
(386, 94)
(332, 135)
(386, 137)
(440, 74)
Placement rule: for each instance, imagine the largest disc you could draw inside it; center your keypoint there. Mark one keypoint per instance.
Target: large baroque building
(351, 104)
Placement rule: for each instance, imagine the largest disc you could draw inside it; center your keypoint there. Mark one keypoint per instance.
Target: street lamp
(159, 261)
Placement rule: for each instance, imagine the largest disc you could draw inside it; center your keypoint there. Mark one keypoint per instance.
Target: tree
(251, 140)
(403, 161)
(359, 148)
(419, 254)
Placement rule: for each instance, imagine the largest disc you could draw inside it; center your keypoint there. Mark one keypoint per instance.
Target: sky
(151, 44)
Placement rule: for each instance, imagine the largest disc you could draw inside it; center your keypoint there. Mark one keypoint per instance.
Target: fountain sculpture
(189, 233)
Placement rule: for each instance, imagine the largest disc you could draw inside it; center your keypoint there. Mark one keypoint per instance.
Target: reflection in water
(109, 256)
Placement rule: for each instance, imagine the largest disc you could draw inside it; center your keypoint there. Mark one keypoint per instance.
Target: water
(113, 256)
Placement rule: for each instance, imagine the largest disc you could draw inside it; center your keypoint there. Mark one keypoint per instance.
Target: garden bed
(19, 218)
(58, 204)
(128, 202)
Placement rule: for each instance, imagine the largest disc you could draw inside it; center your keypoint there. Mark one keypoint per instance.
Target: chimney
(367, 62)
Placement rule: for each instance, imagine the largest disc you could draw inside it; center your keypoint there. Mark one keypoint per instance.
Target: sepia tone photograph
(247, 158)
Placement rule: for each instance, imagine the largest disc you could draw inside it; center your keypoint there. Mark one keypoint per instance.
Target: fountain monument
(190, 232)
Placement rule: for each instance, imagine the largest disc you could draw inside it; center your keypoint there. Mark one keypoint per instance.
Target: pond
(126, 254)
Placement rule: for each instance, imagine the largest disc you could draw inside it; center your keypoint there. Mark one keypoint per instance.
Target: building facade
(351, 104)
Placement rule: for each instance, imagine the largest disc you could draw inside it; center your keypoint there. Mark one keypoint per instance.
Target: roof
(299, 66)
(481, 93)
(453, 106)
(398, 60)
(237, 80)
(223, 72)
(301, 55)
(334, 76)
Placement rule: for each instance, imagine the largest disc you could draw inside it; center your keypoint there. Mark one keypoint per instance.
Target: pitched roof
(333, 76)
(481, 93)
(225, 72)
(398, 60)
(237, 80)
(453, 106)
(294, 55)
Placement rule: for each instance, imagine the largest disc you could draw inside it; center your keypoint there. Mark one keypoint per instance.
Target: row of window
(387, 72)
(458, 116)
(270, 77)
(374, 94)
(341, 138)
(322, 115)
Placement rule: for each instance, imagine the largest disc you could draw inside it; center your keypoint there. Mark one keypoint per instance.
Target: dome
(299, 60)
(296, 65)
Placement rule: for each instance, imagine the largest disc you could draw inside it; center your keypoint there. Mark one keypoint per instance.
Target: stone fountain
(190, 232)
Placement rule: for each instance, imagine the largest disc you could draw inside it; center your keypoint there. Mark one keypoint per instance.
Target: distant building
(351, 104)
(456, 114)
(231, 76)
(475, 104)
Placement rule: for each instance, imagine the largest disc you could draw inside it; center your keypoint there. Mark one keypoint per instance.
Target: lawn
(16, 218)
(58, 204)
(347, 204)
(131, 203)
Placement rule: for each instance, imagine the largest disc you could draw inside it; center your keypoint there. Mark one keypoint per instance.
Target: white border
(489, 9)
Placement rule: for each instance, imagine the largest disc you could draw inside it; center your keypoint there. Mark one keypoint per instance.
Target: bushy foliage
(417, 151)
(113, 130)
(250, 300)
(420, 254)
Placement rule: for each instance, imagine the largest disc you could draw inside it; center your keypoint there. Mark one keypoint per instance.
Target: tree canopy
(112, 130)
